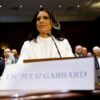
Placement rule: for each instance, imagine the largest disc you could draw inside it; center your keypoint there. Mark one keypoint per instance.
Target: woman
(45, 40)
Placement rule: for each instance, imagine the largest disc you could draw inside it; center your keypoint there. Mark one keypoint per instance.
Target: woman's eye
(38, 18)
(45, 17)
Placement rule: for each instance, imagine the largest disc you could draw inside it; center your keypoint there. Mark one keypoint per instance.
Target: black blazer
(96, 63)
(2, 66)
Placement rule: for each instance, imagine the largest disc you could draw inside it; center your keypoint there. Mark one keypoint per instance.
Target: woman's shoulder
(62, 40)
(26, 42)
(65, 40)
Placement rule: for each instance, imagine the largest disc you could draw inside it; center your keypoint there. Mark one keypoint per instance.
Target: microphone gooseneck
(55, 45)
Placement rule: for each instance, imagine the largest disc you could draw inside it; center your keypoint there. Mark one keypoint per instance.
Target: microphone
(55, 44)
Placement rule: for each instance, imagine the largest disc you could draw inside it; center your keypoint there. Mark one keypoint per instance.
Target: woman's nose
(41, 20)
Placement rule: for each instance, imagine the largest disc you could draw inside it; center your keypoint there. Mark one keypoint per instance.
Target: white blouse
(45, 48)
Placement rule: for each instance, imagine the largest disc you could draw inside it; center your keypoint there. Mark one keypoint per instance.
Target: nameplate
(65, 74)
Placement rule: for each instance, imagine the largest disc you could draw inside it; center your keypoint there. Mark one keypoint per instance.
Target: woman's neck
(44, 35)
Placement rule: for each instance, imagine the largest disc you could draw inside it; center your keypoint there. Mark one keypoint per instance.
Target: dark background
(85, 33)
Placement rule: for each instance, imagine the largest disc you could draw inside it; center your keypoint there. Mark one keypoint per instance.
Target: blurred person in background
(16, 55)
(8, 56)
(84, 52)
(78, 51)
(96, 53)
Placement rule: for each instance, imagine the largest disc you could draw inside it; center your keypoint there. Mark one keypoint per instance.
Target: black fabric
(96, 63)
(2, 66)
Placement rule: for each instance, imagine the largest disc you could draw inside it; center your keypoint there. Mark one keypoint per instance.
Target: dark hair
(55, 29)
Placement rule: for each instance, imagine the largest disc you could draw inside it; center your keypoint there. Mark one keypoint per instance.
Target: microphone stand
(55, 45)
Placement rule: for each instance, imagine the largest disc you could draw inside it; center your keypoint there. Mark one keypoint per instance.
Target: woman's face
(43, 23)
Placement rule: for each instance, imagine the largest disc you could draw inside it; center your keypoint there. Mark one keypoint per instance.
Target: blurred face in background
(96, 51)
(78, 49)
(84, 51)
(43, 23)
(7, 51)
(15, 52)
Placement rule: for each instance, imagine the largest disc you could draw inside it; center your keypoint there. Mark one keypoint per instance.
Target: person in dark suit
(8, 56)
(2, 66)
